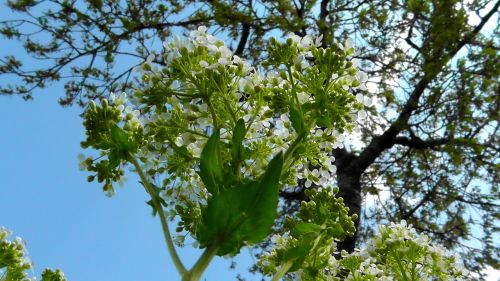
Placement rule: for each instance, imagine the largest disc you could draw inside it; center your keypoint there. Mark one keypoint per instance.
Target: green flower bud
(283, 75)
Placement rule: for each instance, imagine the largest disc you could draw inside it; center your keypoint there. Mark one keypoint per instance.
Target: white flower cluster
(127, 113)
(398, 253)
(205, 87)
(14, 253)
(269, 260)
(395, 253)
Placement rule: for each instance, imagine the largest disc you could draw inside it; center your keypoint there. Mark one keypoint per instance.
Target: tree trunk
(348, 178)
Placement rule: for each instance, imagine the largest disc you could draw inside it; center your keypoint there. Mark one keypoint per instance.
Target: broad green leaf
(114, 158)
(237, 140)
(306, 227)
(296, 119)
(210, 164)
(121, 144)
(243, 214)
(299, 253)
(118, 135)
(336, 230)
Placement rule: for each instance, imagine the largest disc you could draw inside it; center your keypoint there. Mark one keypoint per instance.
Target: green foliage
(53, 275)
(397, 252)
(241, 215)
(211, 165)
(296, 119)
(307, 241)
(122, 145)
(237, 149)
(103, 133)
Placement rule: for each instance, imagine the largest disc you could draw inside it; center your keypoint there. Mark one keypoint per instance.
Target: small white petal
(318, 40)
(367, 101)
(360, 97)
(150, 58)
(348, 44)
(362, 77)
(202, 29)
(362, 114)
(308, 183)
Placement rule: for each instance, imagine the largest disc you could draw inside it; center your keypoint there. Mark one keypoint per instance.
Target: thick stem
(282, 270)
(156, 204)
(199, 267)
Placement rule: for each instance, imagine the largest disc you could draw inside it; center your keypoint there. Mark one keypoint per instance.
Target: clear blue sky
(67, 222)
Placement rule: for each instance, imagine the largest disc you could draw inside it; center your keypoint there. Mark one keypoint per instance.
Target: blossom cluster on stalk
(395, 253)
(302, 91)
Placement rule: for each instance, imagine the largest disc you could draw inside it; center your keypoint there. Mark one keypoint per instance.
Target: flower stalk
(163, 219)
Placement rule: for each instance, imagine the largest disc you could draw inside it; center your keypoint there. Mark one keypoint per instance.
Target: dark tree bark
(348, 179)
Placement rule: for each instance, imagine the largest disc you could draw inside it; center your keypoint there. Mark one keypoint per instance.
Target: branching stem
(282, 270)
(199, 267)
(159, 209)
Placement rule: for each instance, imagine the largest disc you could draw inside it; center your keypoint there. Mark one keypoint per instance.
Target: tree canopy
(429, 149)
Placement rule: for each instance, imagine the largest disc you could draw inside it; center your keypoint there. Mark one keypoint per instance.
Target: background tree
(433, 66)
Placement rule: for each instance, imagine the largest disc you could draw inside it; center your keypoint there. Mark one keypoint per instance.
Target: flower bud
(283, 75)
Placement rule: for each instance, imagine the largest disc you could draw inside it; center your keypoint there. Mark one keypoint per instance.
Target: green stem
(282, 270)
(199, 267)
(403, 272)
(156, 203)
(298, 140)
(228, 107)
(289, 69)
(212, 112)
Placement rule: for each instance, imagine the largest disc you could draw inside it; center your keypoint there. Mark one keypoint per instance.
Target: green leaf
(299, 253)
(157, 191)
(118, 135)
(129, 25)
(121, 144)
(210, 164)
(239, 132)
(306, 233)
(336, 230)
(243, 214)
(152, 205)
(306, 227)
(296, 119)
(114, 158)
